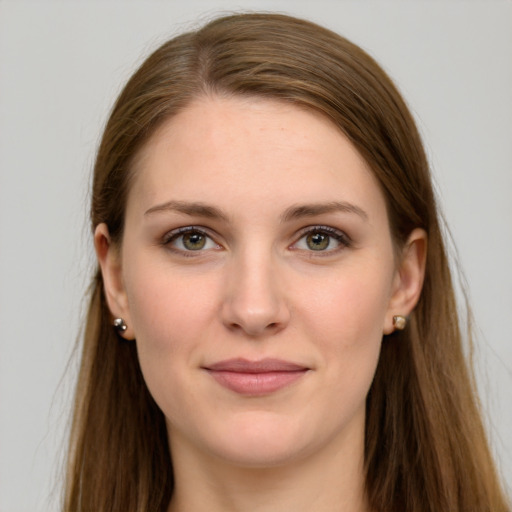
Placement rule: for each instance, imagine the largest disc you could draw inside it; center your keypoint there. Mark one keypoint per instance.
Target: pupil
(194, 241)
(318, 241)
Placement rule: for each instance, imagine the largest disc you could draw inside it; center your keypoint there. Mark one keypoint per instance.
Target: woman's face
(257, 275)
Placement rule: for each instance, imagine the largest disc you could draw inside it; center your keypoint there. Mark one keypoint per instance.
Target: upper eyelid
(174, 233)
(342, 237)
(319, 227)
(299, 234)
(327, 229)
(169, 239)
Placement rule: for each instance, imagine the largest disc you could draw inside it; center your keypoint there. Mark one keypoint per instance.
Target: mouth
(255, 378)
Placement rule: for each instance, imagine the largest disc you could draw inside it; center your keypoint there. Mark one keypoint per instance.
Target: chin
(267, 442)
(261, 454)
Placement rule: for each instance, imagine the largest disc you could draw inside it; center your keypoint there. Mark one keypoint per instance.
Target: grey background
(61, 65)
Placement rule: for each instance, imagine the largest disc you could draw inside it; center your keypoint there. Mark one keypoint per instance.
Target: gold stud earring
(399, 322)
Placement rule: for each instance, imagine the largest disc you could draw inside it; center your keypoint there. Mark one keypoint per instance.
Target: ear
(408, 279)
(109, 259)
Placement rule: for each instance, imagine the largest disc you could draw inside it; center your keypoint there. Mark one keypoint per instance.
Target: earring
(399, 322)
(120, 325)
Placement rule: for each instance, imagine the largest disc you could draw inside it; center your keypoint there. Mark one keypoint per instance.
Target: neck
(331, 480)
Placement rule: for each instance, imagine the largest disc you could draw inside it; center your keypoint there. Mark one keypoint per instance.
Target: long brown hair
(425, 447)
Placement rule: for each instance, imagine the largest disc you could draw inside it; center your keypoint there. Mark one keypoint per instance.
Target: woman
(272, 324)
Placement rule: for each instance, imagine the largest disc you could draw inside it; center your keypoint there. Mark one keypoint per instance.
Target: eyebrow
(189, 208)
(198, 209)
(311, 210)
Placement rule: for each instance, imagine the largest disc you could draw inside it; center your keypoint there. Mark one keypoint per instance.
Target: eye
(189, 239)
(322, 239)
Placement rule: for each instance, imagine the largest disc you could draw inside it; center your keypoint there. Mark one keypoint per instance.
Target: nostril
(252, 314)
(254, 330)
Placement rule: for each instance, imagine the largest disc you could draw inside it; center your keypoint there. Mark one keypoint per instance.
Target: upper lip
(241, 365)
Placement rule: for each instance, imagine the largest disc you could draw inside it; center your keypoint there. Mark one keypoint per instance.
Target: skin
(257, 289)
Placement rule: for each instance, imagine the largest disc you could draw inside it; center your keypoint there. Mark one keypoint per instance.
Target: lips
(262, 366)
(255, 378)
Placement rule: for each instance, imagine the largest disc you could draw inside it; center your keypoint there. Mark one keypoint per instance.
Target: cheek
(353, 305)
(171, 320)
(169, 311)
(346, 318)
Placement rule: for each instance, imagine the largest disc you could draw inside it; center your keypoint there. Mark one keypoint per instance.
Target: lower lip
(256, 384)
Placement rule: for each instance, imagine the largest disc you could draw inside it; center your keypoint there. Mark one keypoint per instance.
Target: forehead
(219, 149)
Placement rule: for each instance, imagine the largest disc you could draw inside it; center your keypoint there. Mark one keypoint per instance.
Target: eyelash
(342, 238)
(174, 235)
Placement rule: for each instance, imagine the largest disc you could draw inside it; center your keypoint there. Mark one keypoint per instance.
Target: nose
(254, 301)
